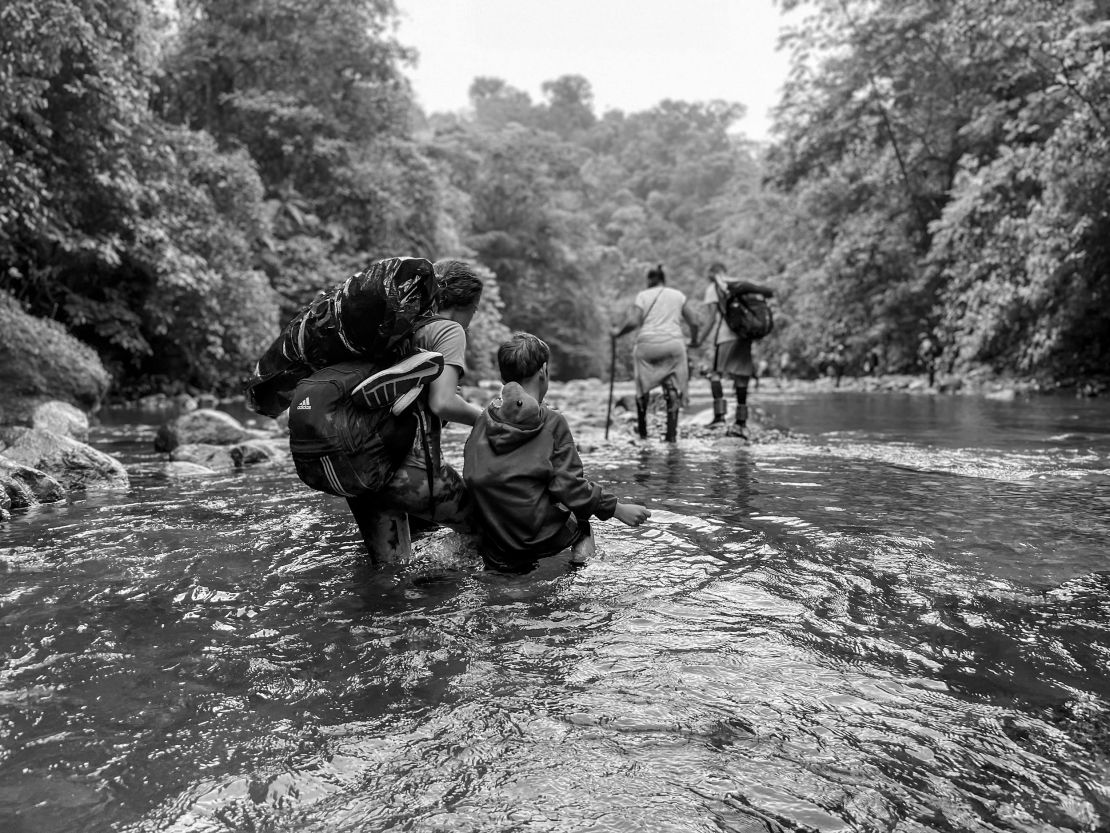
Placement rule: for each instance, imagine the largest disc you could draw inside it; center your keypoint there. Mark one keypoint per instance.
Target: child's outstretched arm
(631, 514)
(569, 484)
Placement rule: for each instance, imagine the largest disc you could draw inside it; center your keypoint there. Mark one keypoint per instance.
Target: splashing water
(898, 623)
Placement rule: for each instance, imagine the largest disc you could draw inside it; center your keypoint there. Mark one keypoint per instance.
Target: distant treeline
(174, 187)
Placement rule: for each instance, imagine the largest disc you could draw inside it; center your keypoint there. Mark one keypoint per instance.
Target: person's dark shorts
(497, 558)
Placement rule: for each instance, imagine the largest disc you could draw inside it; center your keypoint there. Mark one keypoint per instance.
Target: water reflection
(833, 633)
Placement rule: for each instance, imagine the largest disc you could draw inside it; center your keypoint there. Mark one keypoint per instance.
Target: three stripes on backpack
(329, 472)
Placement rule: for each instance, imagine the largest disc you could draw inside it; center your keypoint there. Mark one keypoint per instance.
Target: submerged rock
(178, 468)
(212, 457)
(259, 451)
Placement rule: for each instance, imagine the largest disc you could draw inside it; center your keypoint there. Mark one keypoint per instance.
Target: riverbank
(974, 383)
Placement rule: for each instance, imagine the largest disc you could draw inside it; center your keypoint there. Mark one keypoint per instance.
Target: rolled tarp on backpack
(367, 316)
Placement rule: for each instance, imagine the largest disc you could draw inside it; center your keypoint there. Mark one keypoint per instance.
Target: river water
(896, 620)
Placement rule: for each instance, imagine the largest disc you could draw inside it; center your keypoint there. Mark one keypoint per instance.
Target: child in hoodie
(524, 474)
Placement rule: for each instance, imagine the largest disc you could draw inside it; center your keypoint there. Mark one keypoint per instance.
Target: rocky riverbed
(44, 453)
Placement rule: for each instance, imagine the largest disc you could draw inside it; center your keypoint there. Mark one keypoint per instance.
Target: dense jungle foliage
(173, 187)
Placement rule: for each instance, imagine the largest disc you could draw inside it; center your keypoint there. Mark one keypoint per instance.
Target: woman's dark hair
(655, 276)
(456, 284)
(521, 356)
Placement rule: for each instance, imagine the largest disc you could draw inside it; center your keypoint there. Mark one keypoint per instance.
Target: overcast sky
(634, 53)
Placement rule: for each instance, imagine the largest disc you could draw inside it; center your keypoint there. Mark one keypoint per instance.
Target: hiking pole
(612, 374)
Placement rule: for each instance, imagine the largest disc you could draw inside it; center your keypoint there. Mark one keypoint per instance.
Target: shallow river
(898, 621)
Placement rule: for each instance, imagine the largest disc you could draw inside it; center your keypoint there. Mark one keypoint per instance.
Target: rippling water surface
(899, 621)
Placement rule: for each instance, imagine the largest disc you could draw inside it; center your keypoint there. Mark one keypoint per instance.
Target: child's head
(522, 357)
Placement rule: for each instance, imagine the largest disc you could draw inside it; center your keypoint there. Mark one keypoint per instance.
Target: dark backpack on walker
(352, 423)
(746, 313)
(369, 317)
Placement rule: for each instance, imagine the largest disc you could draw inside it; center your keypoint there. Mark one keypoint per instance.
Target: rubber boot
(740, 427)
(672, 426)
(641, 416)
(720, 407)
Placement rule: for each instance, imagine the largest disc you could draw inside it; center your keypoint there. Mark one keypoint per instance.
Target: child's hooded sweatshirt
(524, 473)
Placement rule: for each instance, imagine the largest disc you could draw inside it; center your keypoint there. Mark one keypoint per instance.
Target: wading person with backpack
(424, 485)
(734, 304)
(369, 372)
(660, 352)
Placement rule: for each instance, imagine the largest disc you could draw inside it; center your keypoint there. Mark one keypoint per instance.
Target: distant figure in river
(928, 353)
(531, 497)
(732, 355)
(871, 362)
(660, 352)
(762, 368)
(838, 360)
(786, 365)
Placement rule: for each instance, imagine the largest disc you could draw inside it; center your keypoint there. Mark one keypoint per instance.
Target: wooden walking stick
(612, 374)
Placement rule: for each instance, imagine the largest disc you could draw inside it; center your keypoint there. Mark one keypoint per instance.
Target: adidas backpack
(369, 316)
(351, 425)
(746, 313)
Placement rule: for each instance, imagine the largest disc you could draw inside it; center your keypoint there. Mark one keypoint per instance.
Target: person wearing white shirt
(660, 352)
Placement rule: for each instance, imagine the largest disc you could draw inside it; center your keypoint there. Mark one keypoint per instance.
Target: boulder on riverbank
(74, 464)
(40, 361)
(61, 418)
(204, 426)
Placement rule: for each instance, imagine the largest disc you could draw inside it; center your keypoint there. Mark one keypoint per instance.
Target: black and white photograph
(607, 416)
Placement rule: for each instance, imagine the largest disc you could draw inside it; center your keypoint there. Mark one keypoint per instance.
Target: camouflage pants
(447, 504)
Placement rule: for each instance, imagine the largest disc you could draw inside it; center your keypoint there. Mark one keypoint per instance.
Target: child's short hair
(521, 357)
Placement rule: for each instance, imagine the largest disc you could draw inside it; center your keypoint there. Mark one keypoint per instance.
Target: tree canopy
(945, 158)
(173, 188)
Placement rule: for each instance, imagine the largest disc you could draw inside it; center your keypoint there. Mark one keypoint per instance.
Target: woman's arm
(632, 320)
(444, 399)
(712, 313)
(691, 319)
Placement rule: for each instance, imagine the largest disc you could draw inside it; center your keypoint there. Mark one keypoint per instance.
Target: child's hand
(631, 514)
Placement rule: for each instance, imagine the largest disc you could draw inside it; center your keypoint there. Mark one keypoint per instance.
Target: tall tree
(529, 224)
(112, 222)
(316, 95)
(888, 107)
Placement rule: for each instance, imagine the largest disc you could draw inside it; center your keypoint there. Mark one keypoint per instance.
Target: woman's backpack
(353, 423)
(369, 316)
(745, 312)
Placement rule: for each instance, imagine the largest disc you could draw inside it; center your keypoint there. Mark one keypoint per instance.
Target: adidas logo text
(305, 405)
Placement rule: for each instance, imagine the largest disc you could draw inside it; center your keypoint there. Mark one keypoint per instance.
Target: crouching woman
(424, 486)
